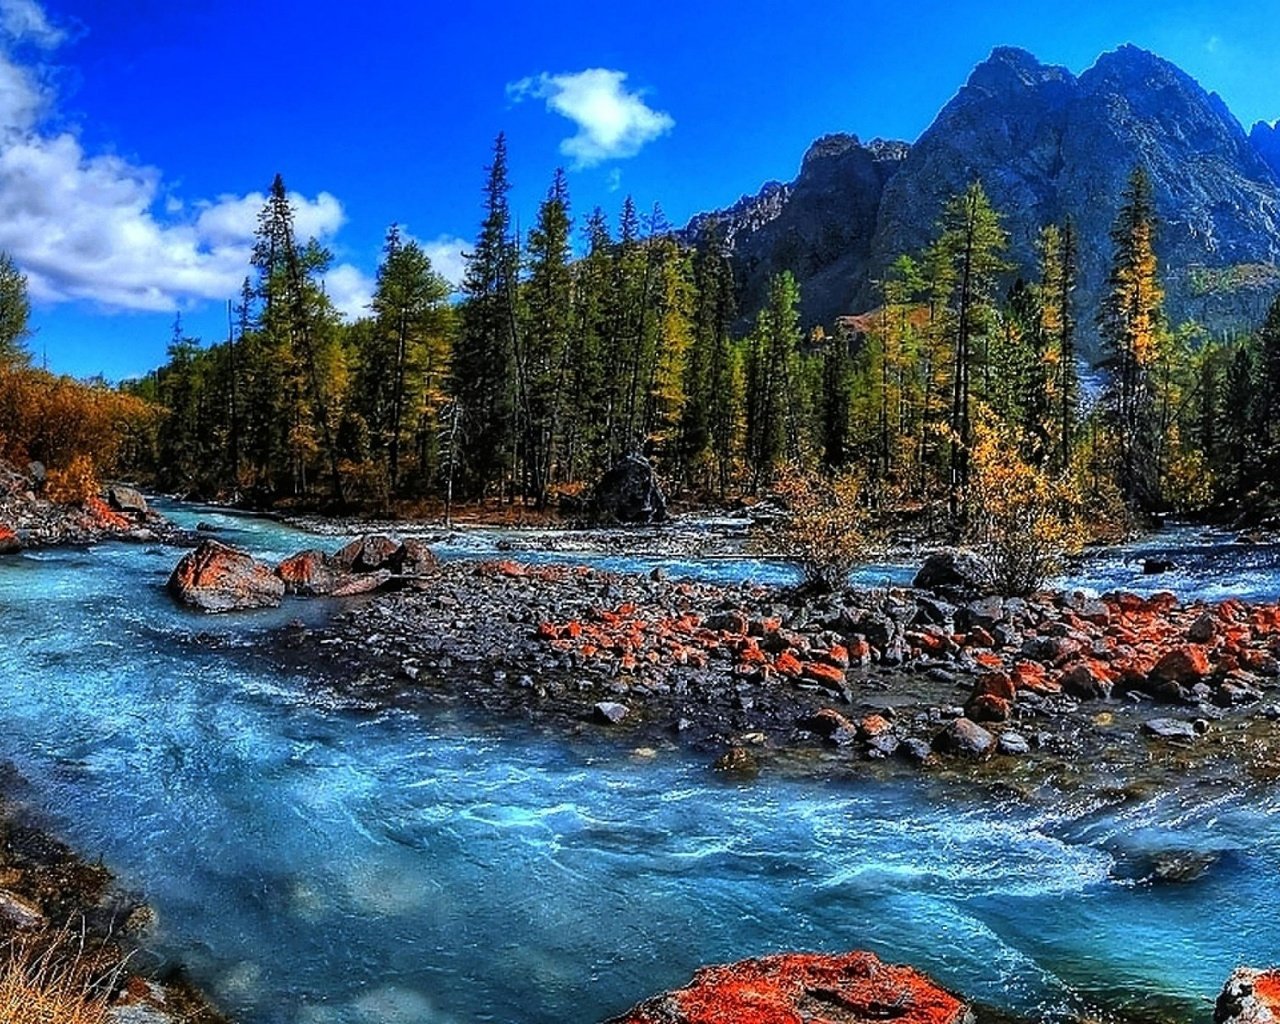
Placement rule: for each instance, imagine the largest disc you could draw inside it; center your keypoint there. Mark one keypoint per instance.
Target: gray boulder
(128, 500)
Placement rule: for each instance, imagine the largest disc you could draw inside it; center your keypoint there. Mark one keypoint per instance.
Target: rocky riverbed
(1057, 687)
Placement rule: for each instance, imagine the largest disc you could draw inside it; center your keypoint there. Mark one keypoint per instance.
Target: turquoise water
(313, 860)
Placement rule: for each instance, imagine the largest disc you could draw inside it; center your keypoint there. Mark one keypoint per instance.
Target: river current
(315, 861)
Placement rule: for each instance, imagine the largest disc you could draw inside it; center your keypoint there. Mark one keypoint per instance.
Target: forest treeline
(577, 342)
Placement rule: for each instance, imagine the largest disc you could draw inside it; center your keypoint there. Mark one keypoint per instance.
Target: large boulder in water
(218, 578)
(311, 573)
(629, 493)
(852, 988)
(1249, 997)
(955, 573)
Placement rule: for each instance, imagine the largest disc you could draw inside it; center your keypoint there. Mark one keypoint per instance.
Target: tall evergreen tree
(483, 375)
(15, 313)
(773, 397)
(973, 244)
(1132, 322)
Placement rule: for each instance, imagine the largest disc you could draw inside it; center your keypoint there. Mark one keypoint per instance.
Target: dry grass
(48, 988)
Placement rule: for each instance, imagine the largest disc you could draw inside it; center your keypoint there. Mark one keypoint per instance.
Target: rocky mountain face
(1266, 140)
(821, 227)
(1046, 144)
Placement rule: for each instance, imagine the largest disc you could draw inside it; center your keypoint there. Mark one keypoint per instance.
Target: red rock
(995, 684)
(9, 542)
(859, 652)
(984, 707)
(874, 725)
(1249, 997)
(307, 572)
(1031, 675)
(796, 988)
(1185, 665)
(837, 655)
(988, 659)
(827, 675)
(367, 554)
(787, 664)
(218, 578)
(830, 724)
(979, 637)
(1086, 680)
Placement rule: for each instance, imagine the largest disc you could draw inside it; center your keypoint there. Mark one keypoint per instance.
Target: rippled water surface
(314, 861)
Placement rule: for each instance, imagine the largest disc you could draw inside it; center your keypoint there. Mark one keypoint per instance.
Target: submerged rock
(964, 738)
(839, 989)
(1250, 996)
(218, 578)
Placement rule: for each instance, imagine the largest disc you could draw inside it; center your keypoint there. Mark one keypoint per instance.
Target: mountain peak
(1012, 67)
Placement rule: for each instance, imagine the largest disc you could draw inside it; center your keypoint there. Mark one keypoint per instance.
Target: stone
(1204, 629)
(127, 500)
(1170, 729)
(916, 750)
(954, 573)
(1013, 744)
(361, 583)
(629, 494)
(414, 558)
(309, 572)
(736, 761)
(610, 712)
(962, 737)
(1185, 665)
(20, 912)
(367, 554)
(851, 987)
(10, 542)
(218, 578)
(1250, 996)
(831, 726)
(1085, 681)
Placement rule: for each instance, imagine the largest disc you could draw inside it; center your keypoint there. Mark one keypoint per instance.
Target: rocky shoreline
(67, 913)
(28, 519)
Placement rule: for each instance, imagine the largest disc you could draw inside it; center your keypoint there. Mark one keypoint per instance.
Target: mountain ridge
(1047, 144)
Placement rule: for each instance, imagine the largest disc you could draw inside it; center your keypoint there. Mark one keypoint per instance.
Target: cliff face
(820, 227)
(1266, 140)
(1046, 144)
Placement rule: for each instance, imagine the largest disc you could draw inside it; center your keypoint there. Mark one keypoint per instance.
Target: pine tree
(549, 317)
(1132, 323)
(483, 375)
(773, 396)
(15, 312)
(974, 244)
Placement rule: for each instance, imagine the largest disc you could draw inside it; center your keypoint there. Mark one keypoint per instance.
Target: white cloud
(25, 21)
(612, 123)
(100, 228)
(447, 260)
(350, 290)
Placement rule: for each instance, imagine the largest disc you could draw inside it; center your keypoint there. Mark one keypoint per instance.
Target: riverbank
(29, 519)
(66, 917)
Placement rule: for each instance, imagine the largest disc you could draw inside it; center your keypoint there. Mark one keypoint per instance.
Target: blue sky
(137, 135)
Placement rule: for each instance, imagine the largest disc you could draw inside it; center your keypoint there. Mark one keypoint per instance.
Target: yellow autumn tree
(1023, 521)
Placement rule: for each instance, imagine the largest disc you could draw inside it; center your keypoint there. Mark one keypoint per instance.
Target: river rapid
(316, 861)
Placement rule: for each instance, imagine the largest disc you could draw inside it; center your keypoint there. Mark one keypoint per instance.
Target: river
(315, 861)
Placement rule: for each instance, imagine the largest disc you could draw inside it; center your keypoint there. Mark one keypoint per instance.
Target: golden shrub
(826, 531)
(1023, 521)
(74, 485)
